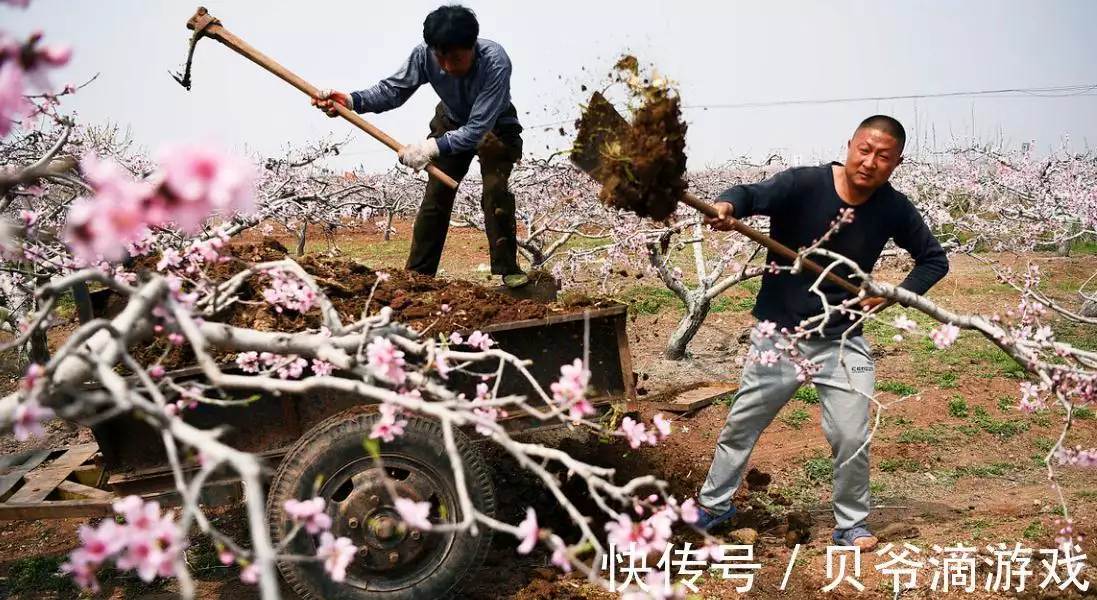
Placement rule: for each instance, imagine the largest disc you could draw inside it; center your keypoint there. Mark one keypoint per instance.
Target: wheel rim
(390, 556)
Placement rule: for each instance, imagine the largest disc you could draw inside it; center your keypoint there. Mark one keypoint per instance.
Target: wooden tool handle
(211, 27)
(768, 242)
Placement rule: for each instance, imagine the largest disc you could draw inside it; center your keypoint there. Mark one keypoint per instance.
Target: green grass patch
(1080, 335)
(66, 305)
(968, 430)
(819, 469)
(977, 527)
(1005, 403)
(947, 380)
(1083, 413)
(389, 254)
(1041, 419)
(994, 469)
(897, 387)
(975, 524)
(892, 465)
(1033, 531)
(578, 242)
(726, 400)
(1086, 495)
(651, 300)
(957, 407)
(999, 427)
(1083, 245)
(807, 395)
(750, 285)
(1044, 445)
(925, 435)
(38, 574)
(796, 417)
(880, 332)
(985, 354)
(900, 421)
(729, 304)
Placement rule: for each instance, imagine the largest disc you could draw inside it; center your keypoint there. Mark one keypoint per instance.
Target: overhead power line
(1031, 92)
(1044, 92)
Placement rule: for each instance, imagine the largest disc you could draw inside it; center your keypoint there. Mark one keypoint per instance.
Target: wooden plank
(14, 475)
(10, 462)
(42, 482)
(691, 400)
(64, 509)
(626, 363)
(214, 493)
(138, 475)
(553, 320)
(70, 490)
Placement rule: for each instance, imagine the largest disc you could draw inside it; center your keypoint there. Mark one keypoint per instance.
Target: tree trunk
(536, 257)
(15, 301)
(1064, 248)
(388, 225)
(82, 297)
(301, 239)
(1089, 308)
(39, 349)
(696, 311)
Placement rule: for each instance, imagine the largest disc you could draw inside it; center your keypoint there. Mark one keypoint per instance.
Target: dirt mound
(642, 162)
(427, 304)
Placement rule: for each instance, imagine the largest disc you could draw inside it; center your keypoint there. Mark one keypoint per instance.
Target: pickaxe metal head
(198, 23)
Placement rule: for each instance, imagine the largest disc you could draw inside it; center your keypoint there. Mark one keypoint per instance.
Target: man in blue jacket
(474, 118)
(802, 203)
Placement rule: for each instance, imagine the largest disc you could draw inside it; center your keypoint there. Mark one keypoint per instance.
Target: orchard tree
(393, 193)
(982, 196)
(556, 209)
(297, 191)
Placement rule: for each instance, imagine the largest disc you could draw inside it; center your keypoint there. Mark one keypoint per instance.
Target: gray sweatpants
(844, 393)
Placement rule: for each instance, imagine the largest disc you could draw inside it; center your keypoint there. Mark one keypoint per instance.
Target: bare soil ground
(955, 463)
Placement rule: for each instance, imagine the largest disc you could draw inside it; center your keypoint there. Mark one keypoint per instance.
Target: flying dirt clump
(641, 163)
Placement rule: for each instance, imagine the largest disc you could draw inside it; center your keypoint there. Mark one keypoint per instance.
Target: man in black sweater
(802, 203)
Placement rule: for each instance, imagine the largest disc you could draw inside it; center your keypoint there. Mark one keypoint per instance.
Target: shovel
(612, 126)
(206, 25)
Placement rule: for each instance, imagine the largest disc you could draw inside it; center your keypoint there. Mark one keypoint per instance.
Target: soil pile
(642, 162)
(427, 304)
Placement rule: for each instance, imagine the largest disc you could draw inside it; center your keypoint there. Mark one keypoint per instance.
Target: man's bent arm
(394, 91)
(490, 103)
(930, 260)
(763, 198)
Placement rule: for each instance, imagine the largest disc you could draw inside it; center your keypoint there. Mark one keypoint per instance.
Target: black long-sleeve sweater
(801, 203)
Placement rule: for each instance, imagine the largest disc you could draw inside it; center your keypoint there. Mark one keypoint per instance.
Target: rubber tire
(338, 440)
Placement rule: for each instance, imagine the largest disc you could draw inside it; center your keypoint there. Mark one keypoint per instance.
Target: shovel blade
(601, 125)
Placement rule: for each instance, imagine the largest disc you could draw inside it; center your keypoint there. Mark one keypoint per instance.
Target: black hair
(888, 125)
(451, 27)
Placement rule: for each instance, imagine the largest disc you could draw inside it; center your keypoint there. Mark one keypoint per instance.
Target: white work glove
(417, 156)
(328, 97)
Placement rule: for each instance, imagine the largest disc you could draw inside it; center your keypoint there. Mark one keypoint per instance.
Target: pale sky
(721, 52)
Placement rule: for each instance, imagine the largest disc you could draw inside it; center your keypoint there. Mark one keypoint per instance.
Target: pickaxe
(206, 25)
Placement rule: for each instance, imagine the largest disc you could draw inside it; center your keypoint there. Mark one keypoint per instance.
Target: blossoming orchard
(221, 377)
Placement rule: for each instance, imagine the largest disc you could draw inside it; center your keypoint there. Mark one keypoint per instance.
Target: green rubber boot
(516, 280)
